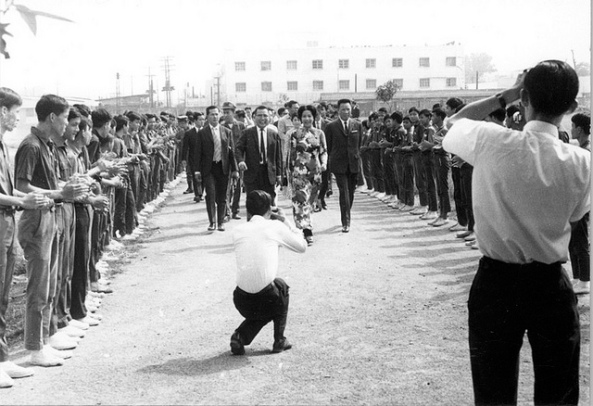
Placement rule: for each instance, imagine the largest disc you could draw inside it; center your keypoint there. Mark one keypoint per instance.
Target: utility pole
(477, 74)
(168, 88)
(117, 94)
(217, 90)
(150, 90)
(574, 61)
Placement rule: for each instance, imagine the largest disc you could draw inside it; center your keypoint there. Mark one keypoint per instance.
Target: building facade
(272, 77)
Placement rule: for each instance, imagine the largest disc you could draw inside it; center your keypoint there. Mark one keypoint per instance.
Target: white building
(252, 77)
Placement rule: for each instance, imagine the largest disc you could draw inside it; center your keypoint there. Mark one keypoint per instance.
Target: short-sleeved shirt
(35, 161)
(64, 163)
(527, 186)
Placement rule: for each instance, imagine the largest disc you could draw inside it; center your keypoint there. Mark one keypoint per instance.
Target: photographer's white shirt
(257, 243)
(526, 188)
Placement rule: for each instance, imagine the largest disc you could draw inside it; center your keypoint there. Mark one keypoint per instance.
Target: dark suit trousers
(346, 184)
(262, 182)
(506, 300)
(420, 178)
(269, 304)
(216, 183)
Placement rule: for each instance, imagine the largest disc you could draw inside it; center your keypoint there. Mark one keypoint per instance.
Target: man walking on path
(260, 296)
(530, 188)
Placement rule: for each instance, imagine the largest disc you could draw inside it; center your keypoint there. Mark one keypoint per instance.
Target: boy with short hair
(424, 135)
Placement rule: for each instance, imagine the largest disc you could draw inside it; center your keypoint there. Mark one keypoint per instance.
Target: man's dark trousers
(261, 182)
(269, 304)
(346, 184)
(506, 300)
(420, 178)
(216, 183)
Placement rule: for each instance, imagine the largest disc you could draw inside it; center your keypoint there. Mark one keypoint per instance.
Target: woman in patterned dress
(308, 158)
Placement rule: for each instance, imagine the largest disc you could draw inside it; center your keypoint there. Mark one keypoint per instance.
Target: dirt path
(377, 316)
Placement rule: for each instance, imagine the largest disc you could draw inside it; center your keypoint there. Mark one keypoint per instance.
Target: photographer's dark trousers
(578, 247)
(420, 178)
(269, 304)
(507, 300)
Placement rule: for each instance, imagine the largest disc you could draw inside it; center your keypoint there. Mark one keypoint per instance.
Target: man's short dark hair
(344, 101)
(436, 106)
(552, 87)
(258, 202)
(498, 114)
(210, 108)
(406, 118)
(382, 110)
(9, 98)
(50, 103)
(582, 120)
(133, 116)
(425, 113)
(240, 113)
(290, 103)
(439, 112)
(281, 111)
(100, 117)
(397, 116)
(411, 109)
(120, 122)
(322, 105)
(83, 109)
(74, 113)
(454, 103)
(261, 107)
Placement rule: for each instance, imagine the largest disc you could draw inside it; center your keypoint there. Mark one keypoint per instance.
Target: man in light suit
(215, 161)
(262, 166)
(343, 138)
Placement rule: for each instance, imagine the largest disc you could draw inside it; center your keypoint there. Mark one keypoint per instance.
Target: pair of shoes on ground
(438, 222)
(9, 371)
(237, 347)
(429, 215)
(49, 357)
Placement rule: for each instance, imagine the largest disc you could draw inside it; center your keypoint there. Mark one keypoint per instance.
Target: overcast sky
(81, 59)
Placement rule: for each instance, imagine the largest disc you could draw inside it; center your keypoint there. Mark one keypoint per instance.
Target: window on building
(317, 63)
(318, 85)
(239, 66)
(266, 86)
(451, 82)
(344, 63)
(371, 83)
(266, 65)
(424, 62)
(344, 85)
(371, 63)
(425, 82)
(292, 85)
(397, 62)
(291, 65)
(240, 87)
(399, 83)
(451, 61)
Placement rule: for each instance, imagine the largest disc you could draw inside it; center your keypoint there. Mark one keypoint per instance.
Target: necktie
(345, 127)
(217, 154)
(262, 146)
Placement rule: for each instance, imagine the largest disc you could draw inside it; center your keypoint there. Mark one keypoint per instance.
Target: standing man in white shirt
(529, 189)
(260, 296)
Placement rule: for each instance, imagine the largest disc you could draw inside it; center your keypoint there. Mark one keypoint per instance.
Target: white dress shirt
(526, 188)
(257, 243)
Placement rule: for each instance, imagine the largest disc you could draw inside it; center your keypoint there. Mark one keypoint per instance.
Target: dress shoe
(197, 199)
(236, 216)
(470, 237)
(61, 341)
(188, 191)
(429, 215)
(406, 208)
(5, 380)
(15, 371)
(440, 222)
(90, 321)
(79, 324)
(463, 234)
(281, 345)
(221, 227)
(345, 229)
(237, 347)
(44, 358)
(212, 227)
(58, 353)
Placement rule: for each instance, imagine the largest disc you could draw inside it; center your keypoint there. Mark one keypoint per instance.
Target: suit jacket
(248, 152)
(343, 147)
(204, 153)
(188, 147)
(237, 129)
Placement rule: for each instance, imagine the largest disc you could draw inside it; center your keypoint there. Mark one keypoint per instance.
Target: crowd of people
(84, 182)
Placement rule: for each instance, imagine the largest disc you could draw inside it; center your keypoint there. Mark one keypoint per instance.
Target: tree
(583, 69)
(386, 92)
(480, 63)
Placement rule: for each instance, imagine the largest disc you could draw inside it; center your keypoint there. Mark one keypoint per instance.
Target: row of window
(371, 84)
(371, 63)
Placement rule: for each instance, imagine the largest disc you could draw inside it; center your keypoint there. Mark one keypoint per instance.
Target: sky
(129, 37)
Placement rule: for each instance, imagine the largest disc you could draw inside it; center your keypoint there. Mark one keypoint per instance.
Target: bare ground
(377, 316)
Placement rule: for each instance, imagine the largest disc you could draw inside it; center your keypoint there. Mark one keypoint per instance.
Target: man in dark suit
(262, 166)
(237, 128)
(215, 161)
(343, 138)
(188, 156)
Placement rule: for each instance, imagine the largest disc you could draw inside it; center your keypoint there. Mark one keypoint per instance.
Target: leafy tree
(480, 63)
(386, 92)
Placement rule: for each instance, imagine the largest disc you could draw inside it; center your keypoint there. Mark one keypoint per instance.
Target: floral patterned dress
(308, 152)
